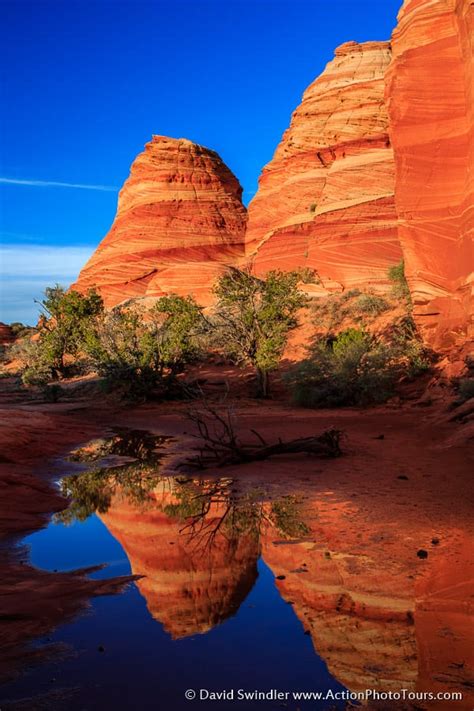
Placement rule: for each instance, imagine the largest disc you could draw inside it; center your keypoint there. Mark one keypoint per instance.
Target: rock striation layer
(326, 200)
(179, 220)
(430, 94)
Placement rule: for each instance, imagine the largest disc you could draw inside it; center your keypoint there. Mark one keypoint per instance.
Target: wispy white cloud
(26, 270)
(57, 184)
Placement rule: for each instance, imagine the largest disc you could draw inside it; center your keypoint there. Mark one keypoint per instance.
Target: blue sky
(87, 82)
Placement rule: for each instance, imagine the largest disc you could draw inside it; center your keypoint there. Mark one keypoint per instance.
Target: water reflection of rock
(365, 635)
(378, 617)
(195, 576)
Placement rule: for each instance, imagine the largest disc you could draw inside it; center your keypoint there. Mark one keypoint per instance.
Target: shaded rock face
(179, 220)
(326, 200)
(430, 102)
(6, 334)
(191, 582)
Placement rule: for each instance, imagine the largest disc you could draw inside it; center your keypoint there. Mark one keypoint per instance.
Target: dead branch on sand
(220, 446)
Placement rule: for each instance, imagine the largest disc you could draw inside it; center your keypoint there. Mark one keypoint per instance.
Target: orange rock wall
(326, 199)
(179, 220)
(429, 94)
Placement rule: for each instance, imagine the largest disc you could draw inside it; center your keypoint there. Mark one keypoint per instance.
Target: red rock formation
(191, 583)
(430, 102)
(326, 201)
(6, 335)
(179, 220)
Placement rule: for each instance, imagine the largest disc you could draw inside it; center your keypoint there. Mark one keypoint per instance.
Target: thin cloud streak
(57, 184)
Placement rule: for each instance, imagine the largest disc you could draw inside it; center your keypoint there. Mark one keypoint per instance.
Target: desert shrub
(308, 276)
(67, 320)
(415, 358)
(357, 368)
(396, 275)
(313, 206)
(353, 369)
(254, 316)
(34, 369)
(371, 304)
(349, 294)
(137, 353)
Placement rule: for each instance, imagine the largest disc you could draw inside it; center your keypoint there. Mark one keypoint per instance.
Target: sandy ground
(404, 485)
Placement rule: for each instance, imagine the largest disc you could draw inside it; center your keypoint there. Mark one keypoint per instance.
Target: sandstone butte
(326, 200)
(179, 220)
(376, 165)
(430, 94)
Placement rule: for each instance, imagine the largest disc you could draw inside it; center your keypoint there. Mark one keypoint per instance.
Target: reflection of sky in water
(262, 647)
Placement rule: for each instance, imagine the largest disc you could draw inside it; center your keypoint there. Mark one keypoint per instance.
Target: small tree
(140, 351)
(180, 323)
(254, 317)
(64, 324)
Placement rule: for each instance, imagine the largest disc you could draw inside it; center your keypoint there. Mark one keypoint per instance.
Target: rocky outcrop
(430, 102)
(6, 335)
(179, 220)
(326, 199)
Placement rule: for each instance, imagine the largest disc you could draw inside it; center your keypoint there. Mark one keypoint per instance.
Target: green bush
(413, 355)
(137, 353)
(396, 275)
(331, 312)
(351, 370)
(308, 276)
(371, 304)
(254, 316)
(356, 368)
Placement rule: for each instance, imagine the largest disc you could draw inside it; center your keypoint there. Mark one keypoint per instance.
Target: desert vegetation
(357, 368)
(253, 318)
(140, 353)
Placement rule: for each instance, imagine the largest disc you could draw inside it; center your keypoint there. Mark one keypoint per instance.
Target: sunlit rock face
(430, 98)
(326, 200)
(194, 578)
(179, 220)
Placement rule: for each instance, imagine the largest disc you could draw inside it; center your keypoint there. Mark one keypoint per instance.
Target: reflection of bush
(286, 516)
(206, 507)
(92, 491)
